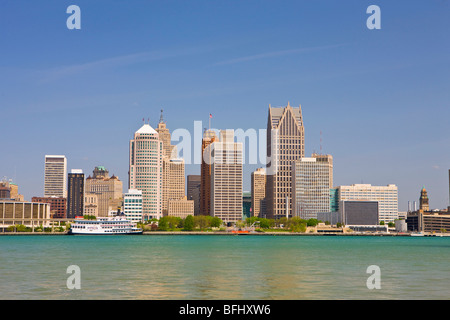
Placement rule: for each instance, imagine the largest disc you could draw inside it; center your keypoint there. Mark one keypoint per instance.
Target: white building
(387, 197)
(55, 176)
(132, 205)
(145, 174)
(312, 179)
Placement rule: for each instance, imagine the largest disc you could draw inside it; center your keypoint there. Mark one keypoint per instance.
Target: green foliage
(169, 223)
(189, 223)
(89, 217)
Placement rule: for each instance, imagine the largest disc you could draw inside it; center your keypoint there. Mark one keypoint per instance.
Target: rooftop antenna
(210, 117)
(161, 120)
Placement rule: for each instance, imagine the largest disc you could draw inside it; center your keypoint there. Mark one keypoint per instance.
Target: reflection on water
(222, 267)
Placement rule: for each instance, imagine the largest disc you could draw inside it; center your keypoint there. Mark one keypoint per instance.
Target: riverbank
(224, 233)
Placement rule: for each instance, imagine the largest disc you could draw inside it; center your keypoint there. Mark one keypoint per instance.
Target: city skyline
(376, 100)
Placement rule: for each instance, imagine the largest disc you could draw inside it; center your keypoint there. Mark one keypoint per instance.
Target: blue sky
(379, 97)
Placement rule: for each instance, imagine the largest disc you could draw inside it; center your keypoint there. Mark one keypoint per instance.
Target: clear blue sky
(380, 97)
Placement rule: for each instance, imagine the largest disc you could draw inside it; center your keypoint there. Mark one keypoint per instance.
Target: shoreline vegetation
(207, 225)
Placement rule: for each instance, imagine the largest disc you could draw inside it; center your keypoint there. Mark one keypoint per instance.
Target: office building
(75, 195)
(258, 191)
(387, 197)
(285, 144)
(226, 177)
(58, 205)
(193, 191)
(174, 181)
(90, 204)
(55, 176)
(180, 208)
(312, 179)
(132, 205)
(145, 170)
(109, 190)
(209, 137)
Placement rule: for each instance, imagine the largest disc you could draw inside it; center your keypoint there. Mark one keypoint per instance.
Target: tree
(189, 223)
(216, 222)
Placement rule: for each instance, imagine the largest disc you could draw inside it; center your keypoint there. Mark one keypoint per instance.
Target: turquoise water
(224, 267)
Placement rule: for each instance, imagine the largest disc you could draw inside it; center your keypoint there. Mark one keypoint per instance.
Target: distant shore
(224, 233)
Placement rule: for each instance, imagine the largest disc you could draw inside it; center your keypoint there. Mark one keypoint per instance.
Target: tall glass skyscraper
(145, 170)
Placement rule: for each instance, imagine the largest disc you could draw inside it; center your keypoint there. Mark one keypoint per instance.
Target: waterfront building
(285, 144)
(387, 197)
(209, 137)
(55, 176)
(132, 205)
(58, 205)
(226, 177)
(145, 170)
(428, 222)
(29, 214)
(193, 191)
(75, 196)
(180, 208)
(109, 190)
(258, 191)
(312, 179)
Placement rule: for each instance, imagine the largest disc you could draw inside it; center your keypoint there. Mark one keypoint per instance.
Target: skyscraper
(258, 190)
(312, 179)
(174, 181)
(55, 176)
(285, 144)
(145, 170)
(226, 177)
(205, 184)
(75, 196)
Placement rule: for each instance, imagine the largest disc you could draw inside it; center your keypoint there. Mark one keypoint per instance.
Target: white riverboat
(104, 226)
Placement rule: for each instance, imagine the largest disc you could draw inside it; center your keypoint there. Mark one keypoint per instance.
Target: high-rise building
(285, 144)
(108, 189)
(75, 196)
(226, 177)
(132, 205)
(146, 170)
(258, 190)
(209, 137)
(193, 191)
(312, 179)
(387, 197)
(55, 176)
(173, 181)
